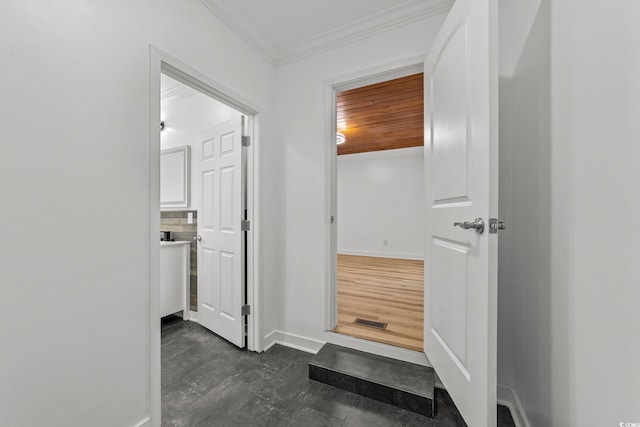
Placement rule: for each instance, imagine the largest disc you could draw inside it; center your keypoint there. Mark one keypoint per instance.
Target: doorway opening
(378, 235)
(203, 186)
(194, 130)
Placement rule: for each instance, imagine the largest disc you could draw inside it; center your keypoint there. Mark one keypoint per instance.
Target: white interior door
(221, 291)
(461, 163)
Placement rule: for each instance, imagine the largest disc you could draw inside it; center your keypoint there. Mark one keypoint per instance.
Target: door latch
(495, 225)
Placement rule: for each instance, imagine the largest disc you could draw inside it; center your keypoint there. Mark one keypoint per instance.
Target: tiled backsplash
(176, 222)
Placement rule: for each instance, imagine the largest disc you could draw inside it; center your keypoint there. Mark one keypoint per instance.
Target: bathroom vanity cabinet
(174, 278)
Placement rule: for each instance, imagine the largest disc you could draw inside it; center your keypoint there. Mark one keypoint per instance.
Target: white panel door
(221, 248)
(461, 163)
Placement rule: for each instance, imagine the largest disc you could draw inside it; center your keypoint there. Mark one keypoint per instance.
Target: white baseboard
(508, 397)
(298, 342)
(380, 349)
(193, 316)
(399, 255)
(144, 423)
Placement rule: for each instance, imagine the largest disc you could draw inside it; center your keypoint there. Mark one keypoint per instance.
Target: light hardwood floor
(384, 290)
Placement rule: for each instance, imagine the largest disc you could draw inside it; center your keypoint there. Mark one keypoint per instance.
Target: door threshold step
(402, 384)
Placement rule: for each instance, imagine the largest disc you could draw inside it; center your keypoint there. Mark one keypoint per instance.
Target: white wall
(568, 326)
(185, 119)
(524, 324)
(303, 130)
(595, 153)
(381, 197)
(74, 185)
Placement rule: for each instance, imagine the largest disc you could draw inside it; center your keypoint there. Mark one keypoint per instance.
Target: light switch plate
(189, 217)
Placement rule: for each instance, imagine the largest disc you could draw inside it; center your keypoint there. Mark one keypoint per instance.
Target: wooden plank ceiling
(382, 116)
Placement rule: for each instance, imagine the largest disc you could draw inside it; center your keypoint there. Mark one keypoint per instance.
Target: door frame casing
(334, 86)
(162, 63)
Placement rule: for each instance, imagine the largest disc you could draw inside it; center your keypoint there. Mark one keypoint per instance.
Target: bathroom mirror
(175, 173)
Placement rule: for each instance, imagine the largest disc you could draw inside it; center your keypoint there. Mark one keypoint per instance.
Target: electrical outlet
(189, 217)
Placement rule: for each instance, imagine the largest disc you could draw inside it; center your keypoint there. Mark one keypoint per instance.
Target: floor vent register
(370, 323)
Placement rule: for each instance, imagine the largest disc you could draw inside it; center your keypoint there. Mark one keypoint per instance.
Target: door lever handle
(477, 225)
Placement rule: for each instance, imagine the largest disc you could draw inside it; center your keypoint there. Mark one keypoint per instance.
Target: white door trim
(161, 62)
(334, 86)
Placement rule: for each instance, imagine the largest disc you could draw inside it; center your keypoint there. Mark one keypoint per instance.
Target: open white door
(221, 291)
(461, 163)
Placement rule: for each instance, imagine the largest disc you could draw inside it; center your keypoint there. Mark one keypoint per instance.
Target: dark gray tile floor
(208, 382)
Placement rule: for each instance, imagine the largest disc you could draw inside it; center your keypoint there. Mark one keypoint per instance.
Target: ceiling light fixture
(340, 138)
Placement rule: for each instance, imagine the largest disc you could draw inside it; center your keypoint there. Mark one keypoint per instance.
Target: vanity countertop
(175, 243)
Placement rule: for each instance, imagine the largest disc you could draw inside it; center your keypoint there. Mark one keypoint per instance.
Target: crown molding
(384, 20)
(176, 93)
(370, 25)
(235, 19)
(381, 154)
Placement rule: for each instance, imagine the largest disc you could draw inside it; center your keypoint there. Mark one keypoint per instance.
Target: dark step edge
(402, 399)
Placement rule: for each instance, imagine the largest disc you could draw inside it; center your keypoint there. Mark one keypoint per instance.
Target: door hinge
(246, 141)
(246, 310)
(245, 225)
